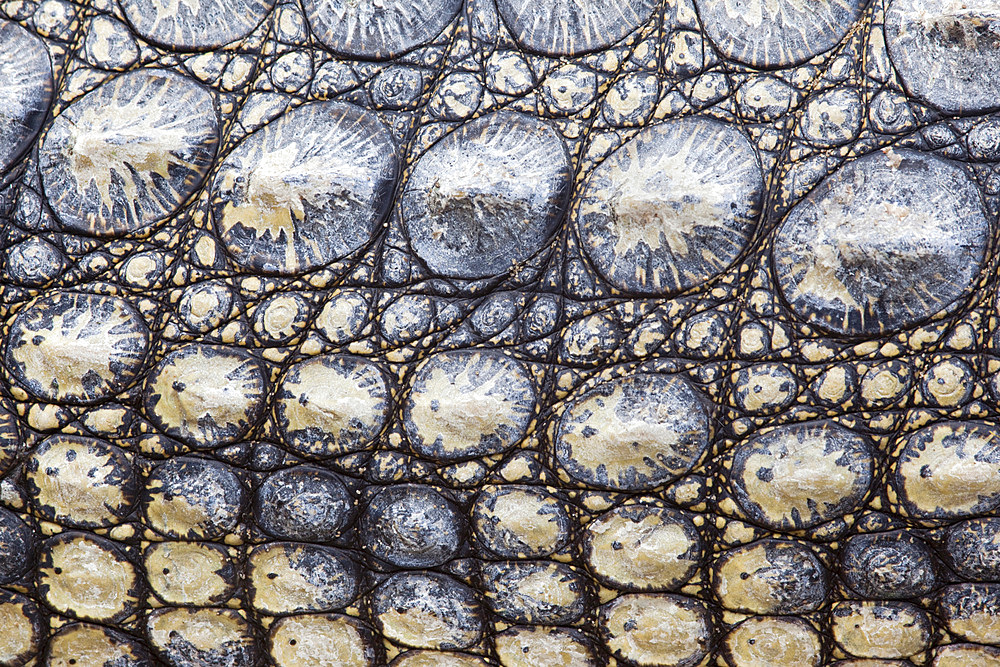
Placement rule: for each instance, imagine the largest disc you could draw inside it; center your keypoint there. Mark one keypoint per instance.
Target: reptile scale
(522, 333)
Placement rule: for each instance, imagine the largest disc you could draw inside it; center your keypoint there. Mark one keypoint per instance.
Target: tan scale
(278, 583)
(966, 655)
(422, 629)
(86, 645)
(646, 553)
(328, 640)
(807, 475)
(437, 659)
(622, 441)
(870, 662)
(753, 340)
(188, 573)
(765, 387)
(534, 646)
(206, 629)
(82, 576)
(880, 630)
(948, 383)
(462, 408)
(770, 641)
(883, 384)
(344, 316)
(834, 385)
(67, 347)
(21, 637)
(950, 478)
(76, 481)
(527, 517)
(331, 398)
(654, 630)
(225, 387)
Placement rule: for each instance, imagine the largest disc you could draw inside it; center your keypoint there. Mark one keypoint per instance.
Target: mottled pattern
(499, 333)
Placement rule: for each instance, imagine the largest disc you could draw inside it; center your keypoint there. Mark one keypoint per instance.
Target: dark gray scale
(26, 89)
(412, 526)
(289, 578)
(568, 28)
(515, 521)
(34, 262)
(81, 482)
(206, 395)
(188, 25)
(946, 53)
(199, 637)
(76, 348)
(109, 44)
(427, 610)
(398, 87)
(10, 437)
(887, 240)
(673, 207)
(971, 611)
(378, 31)
(802, 475)
(591, 339)
(193, 499)
(496, 313)
(777, 33)
(973, 548)
(893, 566)
(487, 196)
(303, 503)
(108, 174)
(983, 140)
(408, 318)
(824, 129)
(87, 644)
(536, 592)
(17, 546)
(770, 577)
(310, 188)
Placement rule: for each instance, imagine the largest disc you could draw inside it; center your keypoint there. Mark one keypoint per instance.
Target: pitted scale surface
(652, 333)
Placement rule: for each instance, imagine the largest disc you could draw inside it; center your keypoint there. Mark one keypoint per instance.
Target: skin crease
(509, 333)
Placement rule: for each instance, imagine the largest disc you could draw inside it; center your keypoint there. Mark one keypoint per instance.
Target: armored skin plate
(499, 333)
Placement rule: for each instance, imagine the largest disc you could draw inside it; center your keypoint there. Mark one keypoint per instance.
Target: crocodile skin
(549, 333)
